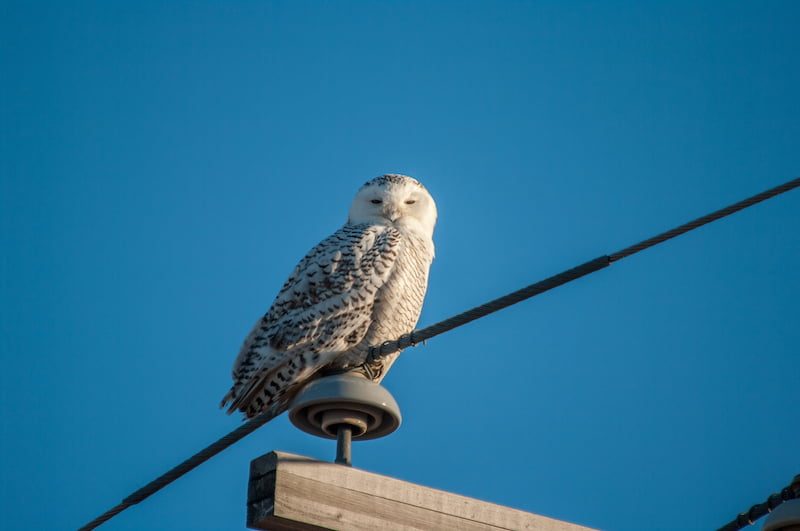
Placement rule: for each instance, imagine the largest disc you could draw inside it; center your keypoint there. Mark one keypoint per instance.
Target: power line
(377, 352)
(418, 336)
(190, 464)
(742, 520)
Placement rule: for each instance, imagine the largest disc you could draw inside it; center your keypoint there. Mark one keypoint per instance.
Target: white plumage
(359, 287)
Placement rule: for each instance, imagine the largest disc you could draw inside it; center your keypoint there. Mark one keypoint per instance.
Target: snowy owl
(359, 287)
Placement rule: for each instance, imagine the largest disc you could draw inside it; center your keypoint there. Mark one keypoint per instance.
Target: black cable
(193, 462)
(379, 351)
(708, 218)
(743, 520)
(418, 336)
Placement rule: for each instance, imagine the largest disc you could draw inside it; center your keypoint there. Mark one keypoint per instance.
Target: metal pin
(344, 441)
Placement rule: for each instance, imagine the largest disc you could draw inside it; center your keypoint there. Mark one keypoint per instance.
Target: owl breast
(398, 303)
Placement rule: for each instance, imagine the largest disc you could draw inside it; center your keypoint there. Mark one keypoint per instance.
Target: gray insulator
(348, 399)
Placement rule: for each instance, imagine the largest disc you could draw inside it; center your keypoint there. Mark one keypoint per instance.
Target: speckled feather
(361, 286)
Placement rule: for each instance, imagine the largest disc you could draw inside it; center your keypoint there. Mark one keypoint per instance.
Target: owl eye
(376, 201)
(410, 201)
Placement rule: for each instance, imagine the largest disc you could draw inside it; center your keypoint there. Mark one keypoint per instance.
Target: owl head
(395, 199)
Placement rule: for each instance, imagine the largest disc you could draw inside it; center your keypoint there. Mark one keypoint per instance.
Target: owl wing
(323, 309)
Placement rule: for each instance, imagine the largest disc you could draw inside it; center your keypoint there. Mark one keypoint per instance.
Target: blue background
(165, 165)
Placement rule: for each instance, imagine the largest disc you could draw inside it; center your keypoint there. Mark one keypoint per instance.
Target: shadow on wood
(295, 493)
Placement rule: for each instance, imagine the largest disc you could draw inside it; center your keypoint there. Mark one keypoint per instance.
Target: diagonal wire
(378, 352)
(708, 218)
(190, 464)
(418, 336)
(742, 520)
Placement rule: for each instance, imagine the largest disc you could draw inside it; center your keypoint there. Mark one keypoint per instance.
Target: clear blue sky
(163, 166)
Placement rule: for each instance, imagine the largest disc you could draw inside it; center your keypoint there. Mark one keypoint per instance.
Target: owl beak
(392, 213)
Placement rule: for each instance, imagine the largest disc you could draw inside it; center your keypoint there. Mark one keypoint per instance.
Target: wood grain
(295, 493)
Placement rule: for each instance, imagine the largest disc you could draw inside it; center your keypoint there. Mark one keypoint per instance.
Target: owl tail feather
(228, 397)
(250, 398)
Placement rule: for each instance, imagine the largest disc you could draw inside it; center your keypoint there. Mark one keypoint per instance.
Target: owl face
(396, 199)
